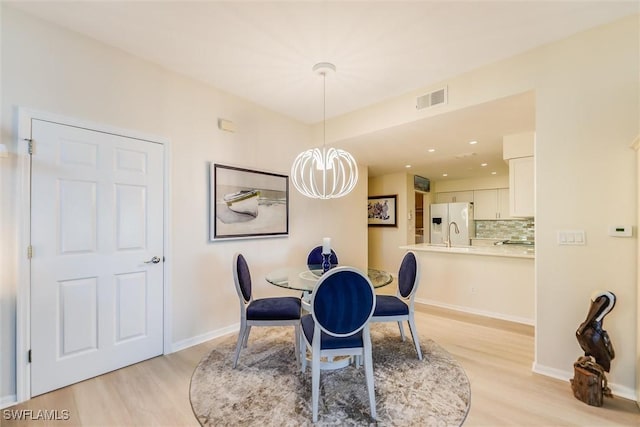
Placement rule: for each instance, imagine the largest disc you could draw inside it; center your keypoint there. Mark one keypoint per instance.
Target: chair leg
(401, 329)
(241, 339)
(303, 351)
(414, 334)
(315, 384)
(246, 337)
(368, 370)
(296, 342)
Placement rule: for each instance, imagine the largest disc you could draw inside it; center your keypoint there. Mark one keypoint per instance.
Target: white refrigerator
(443, 217)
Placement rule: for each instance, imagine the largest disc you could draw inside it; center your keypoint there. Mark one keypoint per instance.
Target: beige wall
(582, 150)
(385, 242)
(636, 147)
(587, 114)
(53, 70)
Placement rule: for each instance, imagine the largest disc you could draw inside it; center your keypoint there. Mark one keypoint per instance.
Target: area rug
(267, 388)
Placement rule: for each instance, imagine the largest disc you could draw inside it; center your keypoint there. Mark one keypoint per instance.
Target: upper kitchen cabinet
(518, 150)
(504, 203)
(454, 197)
(491, 204)
(521, 185)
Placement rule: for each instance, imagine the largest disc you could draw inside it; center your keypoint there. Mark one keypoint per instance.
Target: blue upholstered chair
(399, 308)
(342, 303)
(277, 311)
(315, 257)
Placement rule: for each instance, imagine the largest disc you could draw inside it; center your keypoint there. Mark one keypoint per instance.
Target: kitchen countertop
(509, 251)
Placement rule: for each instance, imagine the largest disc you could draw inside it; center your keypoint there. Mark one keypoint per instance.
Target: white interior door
(96, 222)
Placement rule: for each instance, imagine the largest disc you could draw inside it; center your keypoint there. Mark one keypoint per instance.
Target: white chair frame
(317, 353)
(245, 324)
(410, 301)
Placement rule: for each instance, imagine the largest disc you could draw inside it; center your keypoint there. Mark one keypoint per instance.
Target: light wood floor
(497, 357)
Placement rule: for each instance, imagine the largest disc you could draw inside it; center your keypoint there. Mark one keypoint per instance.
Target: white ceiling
(264, 51)
(449, 135)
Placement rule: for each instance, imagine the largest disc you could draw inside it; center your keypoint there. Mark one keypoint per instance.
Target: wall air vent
(437, 97)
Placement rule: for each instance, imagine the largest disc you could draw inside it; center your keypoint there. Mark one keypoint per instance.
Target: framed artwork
(382, 211)
(246, 203)
(421, 183)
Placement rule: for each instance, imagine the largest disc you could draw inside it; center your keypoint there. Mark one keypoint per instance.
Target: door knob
(153, 260)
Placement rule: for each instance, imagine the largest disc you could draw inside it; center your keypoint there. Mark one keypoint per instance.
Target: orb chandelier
(324, 173)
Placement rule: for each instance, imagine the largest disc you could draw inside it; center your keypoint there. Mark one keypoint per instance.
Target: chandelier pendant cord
(324, 132)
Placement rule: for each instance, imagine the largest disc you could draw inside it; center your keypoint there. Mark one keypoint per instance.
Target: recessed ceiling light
(483, 164)
(407, 166)
(431, 150)
(445, 174)
(473, 142)
(494, 173)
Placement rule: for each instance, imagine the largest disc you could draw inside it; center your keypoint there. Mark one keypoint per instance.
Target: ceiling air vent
(437, 97)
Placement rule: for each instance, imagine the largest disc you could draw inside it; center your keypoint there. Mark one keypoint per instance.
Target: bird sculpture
(592, 338)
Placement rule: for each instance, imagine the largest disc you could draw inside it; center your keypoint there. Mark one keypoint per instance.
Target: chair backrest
(315, 256)
(242, 277)
(409, 275)
(343, 301)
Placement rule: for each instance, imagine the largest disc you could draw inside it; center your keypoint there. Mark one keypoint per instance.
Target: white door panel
(78, 232)
(130, 207)
(78, 308)
(97, 216)
(131, 306)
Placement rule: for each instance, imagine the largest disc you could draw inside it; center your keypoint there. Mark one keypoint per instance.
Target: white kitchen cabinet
(504, 209)
(454, 197)
(491, 204)
(485, 205)
(521, 187)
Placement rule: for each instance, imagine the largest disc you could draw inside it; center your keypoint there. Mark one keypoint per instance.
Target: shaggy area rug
(267, 388)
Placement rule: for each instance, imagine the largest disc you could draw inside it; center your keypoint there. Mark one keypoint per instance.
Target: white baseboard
(7, 401)
(493, 315)
(547, 371)
(199, 339)
(560, 374)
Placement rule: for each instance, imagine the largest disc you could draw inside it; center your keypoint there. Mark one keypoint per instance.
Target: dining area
(351, 338)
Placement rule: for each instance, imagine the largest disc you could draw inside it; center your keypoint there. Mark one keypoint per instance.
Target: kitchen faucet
(455, 228)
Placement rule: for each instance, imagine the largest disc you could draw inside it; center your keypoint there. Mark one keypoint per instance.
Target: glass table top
(304, 278)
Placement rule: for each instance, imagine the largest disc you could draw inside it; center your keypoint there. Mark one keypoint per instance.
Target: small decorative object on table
(326, 254)
(589, 383)
(326, 264)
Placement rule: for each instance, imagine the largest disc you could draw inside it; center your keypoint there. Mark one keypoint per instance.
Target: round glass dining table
(304, 277)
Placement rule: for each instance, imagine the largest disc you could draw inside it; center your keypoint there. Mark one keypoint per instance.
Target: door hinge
(30, 141)
(29, 356)
(29, 252)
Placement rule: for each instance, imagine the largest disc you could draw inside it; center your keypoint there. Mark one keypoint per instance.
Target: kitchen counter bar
(510, 251)
(493, 281)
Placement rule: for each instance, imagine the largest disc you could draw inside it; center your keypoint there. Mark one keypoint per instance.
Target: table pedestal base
(333, 363)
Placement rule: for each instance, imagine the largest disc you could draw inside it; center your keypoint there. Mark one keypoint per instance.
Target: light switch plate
(572, 237)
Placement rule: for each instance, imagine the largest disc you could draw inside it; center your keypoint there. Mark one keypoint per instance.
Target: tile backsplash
(511, 229)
